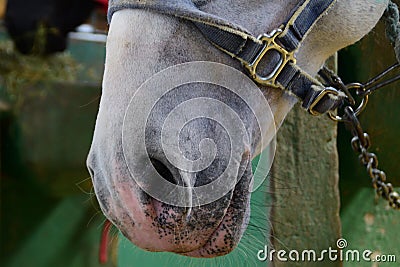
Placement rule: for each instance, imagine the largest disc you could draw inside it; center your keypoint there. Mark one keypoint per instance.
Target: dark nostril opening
(163, 171)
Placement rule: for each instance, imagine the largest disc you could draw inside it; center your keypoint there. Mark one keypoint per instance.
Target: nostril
(164, 171)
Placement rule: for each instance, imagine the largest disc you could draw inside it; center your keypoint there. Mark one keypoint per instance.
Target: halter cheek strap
(270, 58)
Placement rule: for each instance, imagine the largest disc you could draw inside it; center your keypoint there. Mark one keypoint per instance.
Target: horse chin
(228, 233)
(206, 231)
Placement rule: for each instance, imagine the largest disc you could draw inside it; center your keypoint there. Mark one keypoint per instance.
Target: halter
(270, 58)
(275, 52)
(270, 61)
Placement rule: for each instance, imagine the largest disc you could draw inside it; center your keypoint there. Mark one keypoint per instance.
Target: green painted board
(371, 226)
(67, 237)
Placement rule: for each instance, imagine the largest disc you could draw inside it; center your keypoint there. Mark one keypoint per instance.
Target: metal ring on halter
(360, 108)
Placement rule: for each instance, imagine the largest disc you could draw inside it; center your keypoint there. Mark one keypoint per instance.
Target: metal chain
(360, 144)
(361, 141)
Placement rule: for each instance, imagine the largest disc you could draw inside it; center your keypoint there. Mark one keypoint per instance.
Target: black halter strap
(270, 58)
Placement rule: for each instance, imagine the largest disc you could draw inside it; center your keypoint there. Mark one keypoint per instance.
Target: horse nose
(177, 177)
(166, 172)
(200, 154)
(192, 167)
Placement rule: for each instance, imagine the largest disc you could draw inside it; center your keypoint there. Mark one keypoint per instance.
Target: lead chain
(360, 144)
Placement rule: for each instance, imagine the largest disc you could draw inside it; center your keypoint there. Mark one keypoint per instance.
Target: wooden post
(304, 185)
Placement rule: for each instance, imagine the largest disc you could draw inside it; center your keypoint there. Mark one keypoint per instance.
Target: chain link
(360, 144)
(361, 141)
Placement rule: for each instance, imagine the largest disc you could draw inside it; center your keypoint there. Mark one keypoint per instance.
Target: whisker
(91, 219)
(90, 102)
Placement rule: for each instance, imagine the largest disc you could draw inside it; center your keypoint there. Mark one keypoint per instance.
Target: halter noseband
(276, 53)
(270, 58)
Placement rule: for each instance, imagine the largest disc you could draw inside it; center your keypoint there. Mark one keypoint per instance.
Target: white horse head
(142, 43)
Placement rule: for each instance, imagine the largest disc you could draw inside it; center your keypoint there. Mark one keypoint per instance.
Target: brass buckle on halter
(270, 44)
(322, 94)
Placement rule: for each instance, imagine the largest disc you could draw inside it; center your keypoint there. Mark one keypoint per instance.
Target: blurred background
(48, 104)
(50, 87)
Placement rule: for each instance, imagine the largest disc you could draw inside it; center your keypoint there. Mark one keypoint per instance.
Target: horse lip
(201, 251)
(197, 252)
(212, 235)
(216, 249)
(181, 248)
